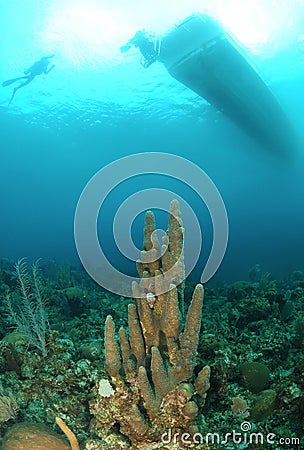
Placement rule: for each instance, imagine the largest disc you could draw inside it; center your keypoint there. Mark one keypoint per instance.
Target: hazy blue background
(98, 105)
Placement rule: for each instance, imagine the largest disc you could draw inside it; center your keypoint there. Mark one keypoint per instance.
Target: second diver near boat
(148, 44)
(38, 68)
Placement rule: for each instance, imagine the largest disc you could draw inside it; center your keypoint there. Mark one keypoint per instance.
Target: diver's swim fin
(12, 97)
(11, 81)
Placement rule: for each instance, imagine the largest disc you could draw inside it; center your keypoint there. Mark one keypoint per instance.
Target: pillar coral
(152, 386)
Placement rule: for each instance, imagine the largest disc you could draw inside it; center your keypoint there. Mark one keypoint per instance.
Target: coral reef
(8, 407)
(152, 369)
(258, 320)
(29, 315)
(69, 434)
(33, 436)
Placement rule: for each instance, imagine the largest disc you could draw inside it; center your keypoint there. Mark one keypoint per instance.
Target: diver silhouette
(38, 68)
(148, 44)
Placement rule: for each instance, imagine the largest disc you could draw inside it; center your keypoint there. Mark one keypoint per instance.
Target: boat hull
(202, 56)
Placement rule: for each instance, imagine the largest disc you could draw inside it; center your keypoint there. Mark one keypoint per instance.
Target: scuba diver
(38, 68)
(148, 44)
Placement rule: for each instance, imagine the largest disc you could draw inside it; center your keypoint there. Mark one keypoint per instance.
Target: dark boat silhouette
(201, 55)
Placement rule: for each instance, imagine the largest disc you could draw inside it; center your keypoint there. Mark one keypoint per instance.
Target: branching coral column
(151, 368)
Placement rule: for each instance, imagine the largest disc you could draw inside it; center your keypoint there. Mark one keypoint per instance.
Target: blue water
(98, 105)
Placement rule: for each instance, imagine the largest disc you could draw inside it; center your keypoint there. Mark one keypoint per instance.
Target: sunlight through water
(93, 30)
